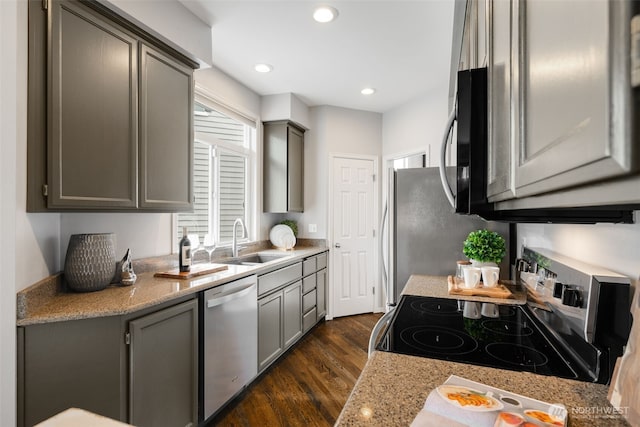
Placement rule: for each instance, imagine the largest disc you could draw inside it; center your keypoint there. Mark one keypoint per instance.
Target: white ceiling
(401, 48)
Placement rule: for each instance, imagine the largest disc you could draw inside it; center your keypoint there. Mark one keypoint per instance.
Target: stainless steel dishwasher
(230, 341)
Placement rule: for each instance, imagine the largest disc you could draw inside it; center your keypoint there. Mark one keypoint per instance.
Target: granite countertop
(44, 302)
(393, 388)
(436, 287)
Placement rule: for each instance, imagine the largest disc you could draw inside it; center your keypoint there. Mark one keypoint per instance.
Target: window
(224, 147)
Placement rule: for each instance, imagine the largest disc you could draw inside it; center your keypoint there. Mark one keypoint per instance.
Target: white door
(353, 236)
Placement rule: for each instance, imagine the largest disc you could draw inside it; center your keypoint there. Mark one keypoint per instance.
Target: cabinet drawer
(309, 301)
(309, 320)
(275, 279)
(309, 266)
(321, 261)
(309, 283)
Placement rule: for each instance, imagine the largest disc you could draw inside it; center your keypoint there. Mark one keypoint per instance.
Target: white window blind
(222, 162)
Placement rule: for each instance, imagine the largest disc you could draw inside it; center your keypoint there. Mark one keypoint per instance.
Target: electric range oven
(574, 326)
(505, 337)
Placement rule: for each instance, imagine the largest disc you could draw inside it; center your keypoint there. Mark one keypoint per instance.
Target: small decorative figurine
(128, 276)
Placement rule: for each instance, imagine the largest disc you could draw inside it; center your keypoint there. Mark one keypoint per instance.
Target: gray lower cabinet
(270, 337)
(314, 299)
(279, 323)
(291, 319)
(283, 167)
(163, 373)
(116, 133)
(88, 364)
(321, 292)
(79, 363)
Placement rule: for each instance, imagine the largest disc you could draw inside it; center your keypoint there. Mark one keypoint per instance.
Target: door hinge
(45, 190)
(45, 4)
(374, 177)
(373, 232)
(373, 290)
(127, 338)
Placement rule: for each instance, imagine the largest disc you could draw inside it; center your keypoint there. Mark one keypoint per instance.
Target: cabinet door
(166, 132)
(283, 169)
(269, 329)
(502, 111)
(163, 377)
(66, 364)
(321, 289)
(292, 315)
(573, 95)
(295, 166)
(93, 84)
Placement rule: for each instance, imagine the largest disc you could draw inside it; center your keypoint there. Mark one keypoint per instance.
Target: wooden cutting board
(456, 287)
(196, 270)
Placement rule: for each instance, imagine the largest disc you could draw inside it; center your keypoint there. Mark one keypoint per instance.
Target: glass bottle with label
(185, 251)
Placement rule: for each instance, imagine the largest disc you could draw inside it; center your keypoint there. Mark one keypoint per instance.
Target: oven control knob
(557, 289)
(572, 297)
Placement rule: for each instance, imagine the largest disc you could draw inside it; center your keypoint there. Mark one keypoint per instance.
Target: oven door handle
(443, 158)
(382, 322)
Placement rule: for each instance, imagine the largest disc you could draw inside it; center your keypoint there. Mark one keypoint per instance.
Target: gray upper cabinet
(283, 167)
(116, 133)
(93, 110)
(502, 111)
(166, 132)
(575, 95)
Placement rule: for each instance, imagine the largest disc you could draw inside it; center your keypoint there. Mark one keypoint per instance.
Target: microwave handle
(443, 158)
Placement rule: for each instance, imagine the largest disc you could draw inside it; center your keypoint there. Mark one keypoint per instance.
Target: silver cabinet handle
(337, 245)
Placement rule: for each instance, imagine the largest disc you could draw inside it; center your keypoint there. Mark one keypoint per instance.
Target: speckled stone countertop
(392, 388)
(45, 302)
(436, 286)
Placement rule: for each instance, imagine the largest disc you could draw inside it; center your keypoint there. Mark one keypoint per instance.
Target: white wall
(613, 246)
(285, 106)
(333, 130)
(9, 129)
(416, 126)
(171, 20)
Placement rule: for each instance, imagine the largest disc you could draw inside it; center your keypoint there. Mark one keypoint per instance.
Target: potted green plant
(484, 247)
(292, 224)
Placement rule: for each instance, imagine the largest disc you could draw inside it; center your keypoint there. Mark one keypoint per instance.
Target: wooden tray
(456, 287)
(196, 270)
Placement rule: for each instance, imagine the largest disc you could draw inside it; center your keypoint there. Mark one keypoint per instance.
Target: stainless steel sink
(252, 259)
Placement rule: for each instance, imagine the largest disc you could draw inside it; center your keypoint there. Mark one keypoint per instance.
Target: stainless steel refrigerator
(425, 235)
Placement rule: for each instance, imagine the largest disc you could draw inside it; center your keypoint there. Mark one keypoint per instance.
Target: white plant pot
(480, 264)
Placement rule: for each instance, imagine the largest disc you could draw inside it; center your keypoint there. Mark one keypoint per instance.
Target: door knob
(337, 245)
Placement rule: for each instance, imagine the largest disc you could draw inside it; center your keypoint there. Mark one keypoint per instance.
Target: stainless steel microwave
(468, 194)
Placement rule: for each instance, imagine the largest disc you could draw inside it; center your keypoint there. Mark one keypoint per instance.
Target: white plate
(281, 236)
(490, 403)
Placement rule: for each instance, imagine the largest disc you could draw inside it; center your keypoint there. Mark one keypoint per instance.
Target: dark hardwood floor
(310, 384)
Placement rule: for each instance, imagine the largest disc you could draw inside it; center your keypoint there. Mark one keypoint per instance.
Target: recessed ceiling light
(368, 91)
(325, 14)
(263, 68)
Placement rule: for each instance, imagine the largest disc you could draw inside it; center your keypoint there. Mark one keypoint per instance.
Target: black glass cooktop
(499, 336)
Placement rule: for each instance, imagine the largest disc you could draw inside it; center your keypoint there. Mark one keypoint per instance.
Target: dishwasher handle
(225, 297)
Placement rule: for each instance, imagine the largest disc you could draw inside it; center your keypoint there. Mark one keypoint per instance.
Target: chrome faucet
(234, 244)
